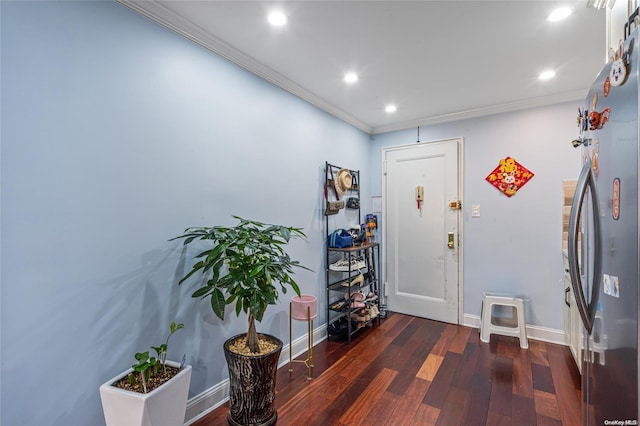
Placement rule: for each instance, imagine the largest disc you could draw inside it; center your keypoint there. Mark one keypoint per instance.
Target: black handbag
(353, 203)
(359, 237)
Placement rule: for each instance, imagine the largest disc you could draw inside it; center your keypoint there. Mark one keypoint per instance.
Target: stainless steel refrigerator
(603, 241)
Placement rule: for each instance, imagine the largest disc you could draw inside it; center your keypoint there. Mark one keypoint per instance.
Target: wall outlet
(475, 210)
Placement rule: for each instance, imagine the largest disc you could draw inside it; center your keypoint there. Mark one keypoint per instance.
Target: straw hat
(343, 181)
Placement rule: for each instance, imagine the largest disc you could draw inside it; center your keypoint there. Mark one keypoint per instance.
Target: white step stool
(514, 326)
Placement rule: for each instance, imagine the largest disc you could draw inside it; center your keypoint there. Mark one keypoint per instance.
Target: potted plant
(153, 391)
(246, 264)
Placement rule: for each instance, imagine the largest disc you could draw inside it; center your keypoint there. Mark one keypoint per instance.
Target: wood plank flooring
(414, 371)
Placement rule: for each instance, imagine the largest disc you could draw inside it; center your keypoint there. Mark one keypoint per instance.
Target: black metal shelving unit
(342, 285)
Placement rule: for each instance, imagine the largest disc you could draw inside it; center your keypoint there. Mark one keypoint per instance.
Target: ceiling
(436, 60)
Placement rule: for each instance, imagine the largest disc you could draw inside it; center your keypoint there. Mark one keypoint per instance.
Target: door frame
(460, 143)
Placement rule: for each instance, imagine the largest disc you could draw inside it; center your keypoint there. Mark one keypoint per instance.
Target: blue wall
(515, 245)
(116, 135)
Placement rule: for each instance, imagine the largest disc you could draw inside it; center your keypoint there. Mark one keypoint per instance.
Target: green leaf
(195, 269)
(217, 303)
(295, 287)
(256, 270)
(285, 232)
(202, 291)
(142, 356)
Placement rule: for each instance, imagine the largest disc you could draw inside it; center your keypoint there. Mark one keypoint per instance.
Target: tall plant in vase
(246, 265)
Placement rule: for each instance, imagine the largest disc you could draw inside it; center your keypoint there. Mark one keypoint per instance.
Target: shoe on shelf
(359, 296)
(338, 306)
(366, 313)
(359, 281)
(374, 311)
(356, 300)
(358, 316)
(338, 327)
(342, 265)
(343, 283)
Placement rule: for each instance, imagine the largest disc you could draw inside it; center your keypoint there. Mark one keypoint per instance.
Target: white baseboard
(471, 321)
(204, 403)
(534, 332)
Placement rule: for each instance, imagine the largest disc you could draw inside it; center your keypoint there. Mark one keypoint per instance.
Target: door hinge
(455, 205)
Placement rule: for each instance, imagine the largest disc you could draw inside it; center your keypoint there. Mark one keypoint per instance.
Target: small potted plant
(246, 264)
(153, 391)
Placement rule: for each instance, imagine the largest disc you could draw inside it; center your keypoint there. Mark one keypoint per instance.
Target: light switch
(475, 210)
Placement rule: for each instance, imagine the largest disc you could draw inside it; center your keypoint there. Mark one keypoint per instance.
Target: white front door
(421, 244)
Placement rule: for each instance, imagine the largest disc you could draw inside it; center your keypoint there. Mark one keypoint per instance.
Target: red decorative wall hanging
(509, 176)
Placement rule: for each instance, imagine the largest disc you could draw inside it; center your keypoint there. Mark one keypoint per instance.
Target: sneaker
(342, 265)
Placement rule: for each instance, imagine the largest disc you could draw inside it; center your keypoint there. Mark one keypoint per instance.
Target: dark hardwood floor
(414, 371)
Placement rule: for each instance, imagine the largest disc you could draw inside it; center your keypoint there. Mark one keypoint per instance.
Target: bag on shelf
(359, 238)
(333, 207)
(340, 239)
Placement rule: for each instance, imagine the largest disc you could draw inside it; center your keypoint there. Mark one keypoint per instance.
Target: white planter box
(164, 406)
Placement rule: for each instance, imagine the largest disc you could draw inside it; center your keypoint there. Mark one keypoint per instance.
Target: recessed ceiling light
(351, 77)
(390, 108)
(559, 14)
(546, 75)
(277, 18)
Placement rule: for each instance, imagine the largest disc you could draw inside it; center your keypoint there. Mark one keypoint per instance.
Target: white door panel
(422, 271)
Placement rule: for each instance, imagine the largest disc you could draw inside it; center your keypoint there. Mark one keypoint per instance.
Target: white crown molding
(165, 17)
(576, 95)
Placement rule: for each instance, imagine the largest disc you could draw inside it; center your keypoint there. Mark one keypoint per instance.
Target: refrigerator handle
(587, 310)
(630, 22)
